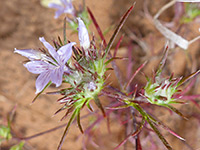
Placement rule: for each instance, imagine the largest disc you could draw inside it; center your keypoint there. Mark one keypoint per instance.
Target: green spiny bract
(161, 91)
(86, 78)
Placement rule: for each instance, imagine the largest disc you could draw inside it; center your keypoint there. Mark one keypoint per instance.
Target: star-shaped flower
(51, 68)
(65, 6)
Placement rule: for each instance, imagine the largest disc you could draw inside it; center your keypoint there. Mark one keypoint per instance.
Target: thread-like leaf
(117, 107)
(79, 122)
(97, 27)
(89, 107)
(133, 76)
(157, 122)
(67, 113)
(59, 110)
(60, 41)
(176, 111)
(112, 59)
(66, 129)
(163, 61)
(117, 30)
(64, 31)
(164, 141)
(99, 105)
(185, 79)
(41, 92)
(132, 134)
(117, 47)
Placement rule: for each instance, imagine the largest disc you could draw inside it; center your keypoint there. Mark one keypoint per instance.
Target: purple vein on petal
(50, 48)
(42, 80)
(37, 67)
(56, 76)
(65, 52)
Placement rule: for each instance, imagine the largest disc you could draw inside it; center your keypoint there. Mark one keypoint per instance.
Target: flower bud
(83, 34)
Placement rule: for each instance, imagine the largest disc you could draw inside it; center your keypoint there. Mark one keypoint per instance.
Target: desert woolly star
(51, 68)
(65, 6)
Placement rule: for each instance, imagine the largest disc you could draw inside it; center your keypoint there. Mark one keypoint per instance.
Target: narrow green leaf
(185, 79)
(79, 122)
(135, 133)
(60, 41)
(107, 50)
(110, 60)
(89, 107)
(11, 115)
(64, 31)
(41, 92)
(164, 141)
(158, 122)
(99, 105)
(118, 107)
(162, 63)
(18, 146)
(66, 129)
(176, 111)
(139, 109)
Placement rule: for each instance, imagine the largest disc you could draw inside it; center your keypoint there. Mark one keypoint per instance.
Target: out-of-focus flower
(50, 68)
(45, 3)
(83, 34)
(64, 7)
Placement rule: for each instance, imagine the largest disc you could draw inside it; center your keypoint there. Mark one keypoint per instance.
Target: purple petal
(29, 53)
(65, 2)
(37, 67)
(56, 76)
(69, 9)
(64, 7)
(50, 48)
(42, 80)
(56, 6)
(83, 34)
(65, 52)
(59, 7)
(58, 13)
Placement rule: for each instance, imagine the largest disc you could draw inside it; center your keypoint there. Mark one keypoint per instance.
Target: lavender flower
(83, 34)
(49, 68)
(64, 7)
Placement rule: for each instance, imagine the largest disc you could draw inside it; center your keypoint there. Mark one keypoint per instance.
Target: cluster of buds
(161, 91)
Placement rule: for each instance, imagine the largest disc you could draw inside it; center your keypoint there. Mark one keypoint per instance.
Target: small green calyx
(87, 79)
(160, 92)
